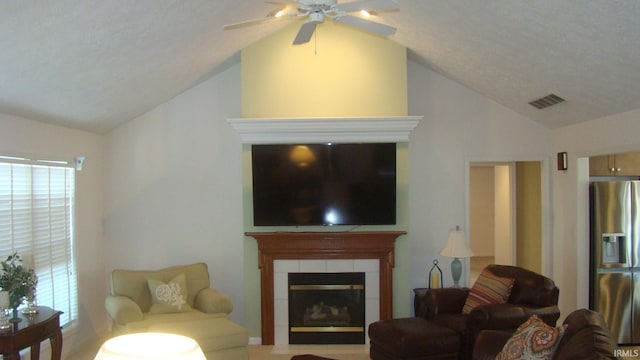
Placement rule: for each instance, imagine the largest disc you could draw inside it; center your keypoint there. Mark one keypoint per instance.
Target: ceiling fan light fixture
(315, 12)
(316, 17)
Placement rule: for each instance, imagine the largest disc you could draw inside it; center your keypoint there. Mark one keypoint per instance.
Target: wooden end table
(30, 332)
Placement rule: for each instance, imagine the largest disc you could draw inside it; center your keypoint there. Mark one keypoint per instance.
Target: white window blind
(36, 221)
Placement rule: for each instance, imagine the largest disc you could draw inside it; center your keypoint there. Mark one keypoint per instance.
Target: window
(36, 221)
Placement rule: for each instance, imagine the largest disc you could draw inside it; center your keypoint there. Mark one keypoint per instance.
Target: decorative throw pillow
(169, 297)
(532, 340)
(488, 289)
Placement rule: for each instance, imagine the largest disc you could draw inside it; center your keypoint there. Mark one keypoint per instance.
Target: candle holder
(435, 276)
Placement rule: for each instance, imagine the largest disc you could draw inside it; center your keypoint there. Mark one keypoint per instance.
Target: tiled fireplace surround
(281, 269)
(282, 253)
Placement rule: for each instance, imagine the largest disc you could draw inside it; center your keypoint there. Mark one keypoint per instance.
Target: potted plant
(19, 281)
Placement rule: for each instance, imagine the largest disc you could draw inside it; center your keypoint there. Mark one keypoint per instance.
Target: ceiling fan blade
(305, 32)
(250, 22)
(370, 5)
(366, 25)
(283, 3)
(301, 8)
(264, 20)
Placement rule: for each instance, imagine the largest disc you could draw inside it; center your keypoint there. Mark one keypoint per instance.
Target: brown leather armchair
(532, 293)
(586, 337)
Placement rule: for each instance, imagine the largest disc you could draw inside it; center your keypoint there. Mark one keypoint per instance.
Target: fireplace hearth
(327, 308)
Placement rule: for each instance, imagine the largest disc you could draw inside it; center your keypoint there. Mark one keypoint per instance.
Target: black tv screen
(324, 184)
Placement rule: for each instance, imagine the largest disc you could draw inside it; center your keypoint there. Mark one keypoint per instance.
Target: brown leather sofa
(587, 337)
(532, 293)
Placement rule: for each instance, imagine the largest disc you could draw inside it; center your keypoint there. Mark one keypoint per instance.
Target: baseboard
(255, 341)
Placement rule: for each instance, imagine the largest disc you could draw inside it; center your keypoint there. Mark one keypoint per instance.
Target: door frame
(545, 183)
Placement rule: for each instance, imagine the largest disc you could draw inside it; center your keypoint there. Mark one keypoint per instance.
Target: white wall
(173, 187)
(459, 126)
(19, 136)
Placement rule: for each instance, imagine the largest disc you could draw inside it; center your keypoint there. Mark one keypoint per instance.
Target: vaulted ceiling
(94, 65)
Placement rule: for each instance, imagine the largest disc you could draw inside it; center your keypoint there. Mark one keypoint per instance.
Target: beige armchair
(182, 302)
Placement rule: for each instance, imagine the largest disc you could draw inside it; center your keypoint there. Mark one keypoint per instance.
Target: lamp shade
(456, 247)
(147, 346)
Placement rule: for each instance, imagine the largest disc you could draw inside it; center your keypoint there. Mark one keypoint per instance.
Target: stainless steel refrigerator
(615, 248)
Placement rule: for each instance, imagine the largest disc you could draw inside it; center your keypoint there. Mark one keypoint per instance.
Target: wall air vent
(546, 101)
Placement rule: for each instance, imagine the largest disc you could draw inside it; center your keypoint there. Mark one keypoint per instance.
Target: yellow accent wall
(529, 215)
(340, 72)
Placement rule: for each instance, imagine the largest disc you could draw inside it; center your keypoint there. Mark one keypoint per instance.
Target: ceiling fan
(315, 11)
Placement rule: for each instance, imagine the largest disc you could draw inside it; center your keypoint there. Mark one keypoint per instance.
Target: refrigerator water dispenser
(614, 248)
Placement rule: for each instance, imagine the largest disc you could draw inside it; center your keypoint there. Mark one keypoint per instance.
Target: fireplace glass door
(326, 308)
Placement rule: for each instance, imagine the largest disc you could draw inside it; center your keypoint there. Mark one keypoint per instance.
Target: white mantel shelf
(310, 130)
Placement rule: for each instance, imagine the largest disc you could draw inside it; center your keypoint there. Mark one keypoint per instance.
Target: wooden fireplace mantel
(323, 245)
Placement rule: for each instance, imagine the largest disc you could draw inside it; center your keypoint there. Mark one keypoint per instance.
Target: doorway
(505, 215)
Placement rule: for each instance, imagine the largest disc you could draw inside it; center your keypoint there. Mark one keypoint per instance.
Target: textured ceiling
(94, 65)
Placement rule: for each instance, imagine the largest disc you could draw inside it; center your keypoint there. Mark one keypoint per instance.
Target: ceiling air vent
(546, 101)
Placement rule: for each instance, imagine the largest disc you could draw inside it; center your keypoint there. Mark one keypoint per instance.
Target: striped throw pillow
(488, 289)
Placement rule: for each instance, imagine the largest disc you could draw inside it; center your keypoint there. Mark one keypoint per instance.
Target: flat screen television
(324, 184)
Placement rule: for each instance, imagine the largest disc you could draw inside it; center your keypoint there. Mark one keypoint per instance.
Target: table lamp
(456, 248)
(147, 346)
